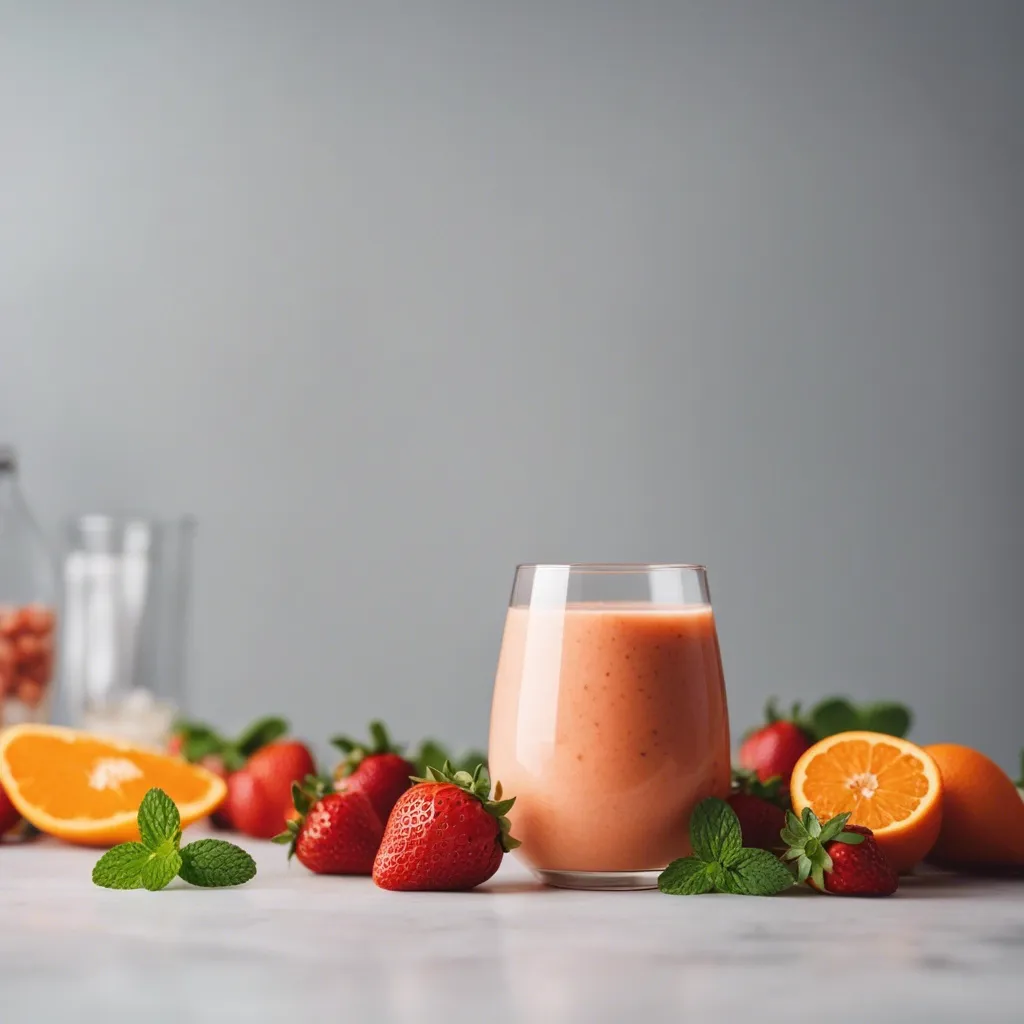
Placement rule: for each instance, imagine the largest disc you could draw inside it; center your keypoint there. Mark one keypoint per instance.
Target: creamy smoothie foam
(609, 724)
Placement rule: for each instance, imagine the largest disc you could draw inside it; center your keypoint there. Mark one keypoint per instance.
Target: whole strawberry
(760, 807)
(444, 834)
(248, 809)
(257, 803)
(332, 833)
(377, 769)
(277, 766)
(838, 858)
(775, 748)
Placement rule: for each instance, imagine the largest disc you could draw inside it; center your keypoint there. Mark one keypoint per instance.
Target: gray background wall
(395, 296)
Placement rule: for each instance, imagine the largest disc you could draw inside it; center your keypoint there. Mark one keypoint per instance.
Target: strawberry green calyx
(773, 715)
(1020, 781)
(806, 838)
(772, 790)
(356, 752)
(199, 740)
(478, 784)
(304, 796)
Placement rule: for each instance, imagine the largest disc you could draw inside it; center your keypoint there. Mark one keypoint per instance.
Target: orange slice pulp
(87, 789)
(889, 785)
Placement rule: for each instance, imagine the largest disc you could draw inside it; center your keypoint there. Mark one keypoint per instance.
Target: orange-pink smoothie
(609, 724)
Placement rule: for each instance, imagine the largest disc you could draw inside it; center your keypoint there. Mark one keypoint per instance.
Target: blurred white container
(126, 615)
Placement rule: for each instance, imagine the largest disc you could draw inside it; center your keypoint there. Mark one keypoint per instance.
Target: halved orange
(889, 785)
(87, 790)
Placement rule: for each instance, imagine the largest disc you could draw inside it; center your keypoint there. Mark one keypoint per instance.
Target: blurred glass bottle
(127, 583)
(28, 593)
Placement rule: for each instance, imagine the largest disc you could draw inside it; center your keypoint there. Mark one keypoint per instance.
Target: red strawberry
(257, 805)
(249, 809)
(444, 834)
(761, 808)
(9, 816)
(275, 768)
(196, 741)
(775, 748)
(760, 821)
(377, 769)
(333, 833)
(838, 858)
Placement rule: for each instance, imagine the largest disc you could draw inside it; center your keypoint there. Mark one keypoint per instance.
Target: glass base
(600, 880)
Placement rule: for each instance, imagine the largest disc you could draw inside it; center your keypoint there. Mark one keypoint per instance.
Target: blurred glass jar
(28, 593)
(126, 613)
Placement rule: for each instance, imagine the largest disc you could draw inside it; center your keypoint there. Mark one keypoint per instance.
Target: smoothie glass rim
(613, 567)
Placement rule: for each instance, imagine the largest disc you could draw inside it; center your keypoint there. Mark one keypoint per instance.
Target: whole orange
(982, 811)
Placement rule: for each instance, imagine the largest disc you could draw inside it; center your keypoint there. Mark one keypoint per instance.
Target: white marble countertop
(294, 946)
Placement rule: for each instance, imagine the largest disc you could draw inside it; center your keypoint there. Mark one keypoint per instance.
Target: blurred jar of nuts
(28, 591)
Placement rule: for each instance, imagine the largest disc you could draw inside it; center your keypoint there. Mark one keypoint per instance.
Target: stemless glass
(126, 619)
(609, 720)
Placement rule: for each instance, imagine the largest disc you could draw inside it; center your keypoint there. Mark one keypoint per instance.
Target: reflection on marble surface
(293, 945)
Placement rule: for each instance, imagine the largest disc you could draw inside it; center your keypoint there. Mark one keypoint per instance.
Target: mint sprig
(720, 862)
(159, 858)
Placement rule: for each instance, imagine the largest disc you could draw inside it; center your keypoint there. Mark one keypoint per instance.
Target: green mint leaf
(833, 827)
(833, 715)
(725, 879)
(759, 873)
(158, 819)
(213, 862)
(161, 866)
(892, 719)
(715, 831)
(687, 876)
(121, 867)
(259, 734)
